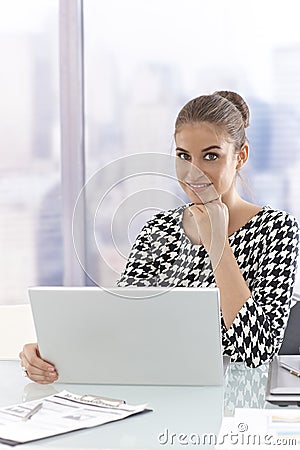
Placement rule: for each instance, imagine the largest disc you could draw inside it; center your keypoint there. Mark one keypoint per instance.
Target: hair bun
(238, 102)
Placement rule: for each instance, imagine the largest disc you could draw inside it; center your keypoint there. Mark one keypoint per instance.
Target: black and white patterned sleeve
(140, 269)
(256, 334)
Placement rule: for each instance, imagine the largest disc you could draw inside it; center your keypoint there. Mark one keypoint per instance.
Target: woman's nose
(188, 171)
(194, 171)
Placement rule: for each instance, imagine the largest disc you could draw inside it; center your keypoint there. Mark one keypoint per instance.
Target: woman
(249, 252)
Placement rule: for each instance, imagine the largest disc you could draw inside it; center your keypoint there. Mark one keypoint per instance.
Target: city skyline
(133, 94)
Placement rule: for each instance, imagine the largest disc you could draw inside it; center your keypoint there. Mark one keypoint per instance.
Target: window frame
(72, 112)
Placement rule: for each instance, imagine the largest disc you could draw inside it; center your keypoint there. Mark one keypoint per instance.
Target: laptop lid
(130, 335)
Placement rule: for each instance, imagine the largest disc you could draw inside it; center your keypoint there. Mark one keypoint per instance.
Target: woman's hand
(36, 368)
(211, 221)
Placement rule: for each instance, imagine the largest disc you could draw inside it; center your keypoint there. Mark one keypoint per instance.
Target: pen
(292, 370)
(32, 411)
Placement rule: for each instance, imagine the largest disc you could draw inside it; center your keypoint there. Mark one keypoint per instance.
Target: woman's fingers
(36, 368)
(38, 375)
(41, 376)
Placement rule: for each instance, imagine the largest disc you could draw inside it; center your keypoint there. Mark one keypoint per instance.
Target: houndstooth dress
(266, 250)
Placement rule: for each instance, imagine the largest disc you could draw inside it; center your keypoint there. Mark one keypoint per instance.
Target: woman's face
(206, 164)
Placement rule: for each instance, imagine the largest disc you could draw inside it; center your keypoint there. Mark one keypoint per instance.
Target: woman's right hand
(211, 220)
(37, 369)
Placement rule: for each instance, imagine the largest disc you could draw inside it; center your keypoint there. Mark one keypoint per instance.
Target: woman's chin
(203, 198)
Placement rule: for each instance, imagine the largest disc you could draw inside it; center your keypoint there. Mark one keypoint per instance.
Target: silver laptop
(283, 388)
(282, 381)
(149, 336)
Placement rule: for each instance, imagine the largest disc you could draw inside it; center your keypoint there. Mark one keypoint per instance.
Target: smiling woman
(248, 251)
(218, 240)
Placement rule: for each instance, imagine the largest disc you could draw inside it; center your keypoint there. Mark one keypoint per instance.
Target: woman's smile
(198, 187)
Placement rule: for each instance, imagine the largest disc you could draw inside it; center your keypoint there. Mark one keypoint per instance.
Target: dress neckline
(253, 218)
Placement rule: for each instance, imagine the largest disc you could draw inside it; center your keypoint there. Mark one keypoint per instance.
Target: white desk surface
(178, 409)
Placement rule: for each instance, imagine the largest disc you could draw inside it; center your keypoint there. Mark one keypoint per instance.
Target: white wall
(16, 329)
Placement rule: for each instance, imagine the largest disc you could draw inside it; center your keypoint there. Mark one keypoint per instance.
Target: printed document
(59, 413)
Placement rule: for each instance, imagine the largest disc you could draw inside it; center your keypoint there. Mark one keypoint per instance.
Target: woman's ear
(242, 156)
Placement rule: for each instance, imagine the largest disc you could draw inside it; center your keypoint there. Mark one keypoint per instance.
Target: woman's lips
(198, 186)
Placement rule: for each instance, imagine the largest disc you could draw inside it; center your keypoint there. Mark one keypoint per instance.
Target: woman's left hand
(212, 226)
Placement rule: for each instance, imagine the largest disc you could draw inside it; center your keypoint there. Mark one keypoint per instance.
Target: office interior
(84, 85)
(87, 84)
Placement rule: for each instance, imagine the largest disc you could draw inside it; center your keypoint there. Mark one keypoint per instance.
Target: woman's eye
(183, 156)
(211, 156)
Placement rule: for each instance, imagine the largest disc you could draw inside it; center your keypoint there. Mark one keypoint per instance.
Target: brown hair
(225, 109)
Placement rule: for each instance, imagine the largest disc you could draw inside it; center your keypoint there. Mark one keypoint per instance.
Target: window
(144, 60)
(30, 226)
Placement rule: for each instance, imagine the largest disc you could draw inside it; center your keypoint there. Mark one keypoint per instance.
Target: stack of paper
(58, 414)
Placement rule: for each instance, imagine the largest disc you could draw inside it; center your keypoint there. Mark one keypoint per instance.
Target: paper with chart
(60, 413)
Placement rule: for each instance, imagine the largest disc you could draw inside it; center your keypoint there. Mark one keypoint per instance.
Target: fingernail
(51, 369)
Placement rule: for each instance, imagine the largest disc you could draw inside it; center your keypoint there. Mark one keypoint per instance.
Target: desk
(176, 409)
